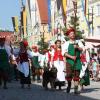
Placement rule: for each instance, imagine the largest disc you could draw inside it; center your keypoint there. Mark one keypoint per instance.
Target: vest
(23, 57)
(57, 55)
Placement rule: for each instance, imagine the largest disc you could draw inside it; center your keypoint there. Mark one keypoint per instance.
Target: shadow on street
(14, 92)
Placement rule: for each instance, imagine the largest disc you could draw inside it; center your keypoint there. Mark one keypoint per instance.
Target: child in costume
(36, 70)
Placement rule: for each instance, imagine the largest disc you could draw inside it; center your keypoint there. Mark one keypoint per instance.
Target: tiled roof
(43, 10)
(4, 33)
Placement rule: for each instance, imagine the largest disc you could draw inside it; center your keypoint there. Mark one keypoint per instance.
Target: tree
(42, 45)
(74, 22)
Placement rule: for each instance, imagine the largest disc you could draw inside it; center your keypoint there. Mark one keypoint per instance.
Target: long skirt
(25, 80)
(60, 70)
(24, 71)
(3, 75)
(86, 79)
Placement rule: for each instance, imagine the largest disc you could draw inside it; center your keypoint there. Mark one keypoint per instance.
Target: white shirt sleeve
(46, 57)
(8, 50)
(16, 51)
(39, 56)
(81, 45)
(87, 56)
(52, 52)
(65, 47)
(30, 53)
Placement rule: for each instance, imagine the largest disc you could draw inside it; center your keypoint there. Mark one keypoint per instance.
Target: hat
(70, 30)
(25, 43)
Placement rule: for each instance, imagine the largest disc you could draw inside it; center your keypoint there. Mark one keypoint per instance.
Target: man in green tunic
(71, 51)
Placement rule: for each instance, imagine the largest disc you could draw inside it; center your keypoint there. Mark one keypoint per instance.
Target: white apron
(24, 68)
(60, 70)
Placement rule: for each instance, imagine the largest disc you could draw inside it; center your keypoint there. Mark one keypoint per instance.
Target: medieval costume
(23, 64)
(84, 73)
(71, 50)
(48, 56)
(5, 53)
(36, 69)
(58, 62)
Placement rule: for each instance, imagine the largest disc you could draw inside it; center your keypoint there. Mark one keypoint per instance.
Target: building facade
(89, 24)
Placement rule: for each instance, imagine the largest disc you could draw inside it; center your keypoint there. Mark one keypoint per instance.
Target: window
(98, 10)
(98, 30)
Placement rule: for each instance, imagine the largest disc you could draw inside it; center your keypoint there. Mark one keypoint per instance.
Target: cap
(70, 30)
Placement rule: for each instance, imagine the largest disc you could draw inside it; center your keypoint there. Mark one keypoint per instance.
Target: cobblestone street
(36, 92)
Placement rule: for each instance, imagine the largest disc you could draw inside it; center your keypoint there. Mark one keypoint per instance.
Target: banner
(87, 22)
(43, 11)
(64, 8)
(49, 15)
(23, 21)
(86, 7)
(15, 24)
(59, 3)
(29, 22)
(64, 5)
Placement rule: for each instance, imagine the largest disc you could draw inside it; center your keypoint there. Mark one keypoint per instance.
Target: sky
(8, 9)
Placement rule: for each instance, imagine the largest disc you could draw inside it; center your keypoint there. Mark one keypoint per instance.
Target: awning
(92, 42)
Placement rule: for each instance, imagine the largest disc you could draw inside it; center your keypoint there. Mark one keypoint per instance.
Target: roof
(43, 10)
(5, 33)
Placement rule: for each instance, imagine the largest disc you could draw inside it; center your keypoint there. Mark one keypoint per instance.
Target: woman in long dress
(58, 62)
(23, 65)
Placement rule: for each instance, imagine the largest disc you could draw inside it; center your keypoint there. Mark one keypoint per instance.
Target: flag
(64, 6)
(33, 11)
(49, 14)
(84, 14)
(23, 21)
(86, 7)
(64, 9)
(28, 15)
(59, 3)
(43, 11)
(15, 24)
